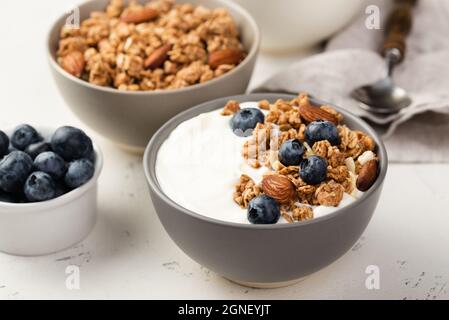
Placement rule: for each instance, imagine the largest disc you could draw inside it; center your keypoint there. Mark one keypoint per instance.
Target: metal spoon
(384, 96)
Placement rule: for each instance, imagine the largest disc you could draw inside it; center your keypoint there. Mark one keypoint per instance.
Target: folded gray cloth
(419, 133)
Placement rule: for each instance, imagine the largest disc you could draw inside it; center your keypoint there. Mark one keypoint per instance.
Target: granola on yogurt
(321, 157)
(157, 45)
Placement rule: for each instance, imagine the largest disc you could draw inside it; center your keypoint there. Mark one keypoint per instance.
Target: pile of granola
(159, 45)
(352, 164)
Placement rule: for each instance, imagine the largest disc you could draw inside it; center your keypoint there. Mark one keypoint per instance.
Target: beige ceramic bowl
(130, 118)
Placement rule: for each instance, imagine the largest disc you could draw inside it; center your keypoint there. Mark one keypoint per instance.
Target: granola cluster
(246, 190)
(286, 120)
(159, 45)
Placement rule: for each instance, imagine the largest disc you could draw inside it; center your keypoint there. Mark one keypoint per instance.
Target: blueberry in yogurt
(291, 152)
(14, 170)
(23, 136)
(263, 210)
(322, 130)
(245, 120)
(313, 170)
(78, 173)
(51, 163)
(71, 143)
(39, 186)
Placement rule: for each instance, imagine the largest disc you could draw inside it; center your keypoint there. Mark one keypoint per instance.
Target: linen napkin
(419, 133)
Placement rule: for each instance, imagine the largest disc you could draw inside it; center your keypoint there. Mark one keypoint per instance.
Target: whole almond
(311, 113)
(367, 175)
(73, 63)
(158, 57)
(279, 187)
(225, 56)
(139, 15)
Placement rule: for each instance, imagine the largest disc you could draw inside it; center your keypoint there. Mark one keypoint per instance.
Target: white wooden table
(129, 255)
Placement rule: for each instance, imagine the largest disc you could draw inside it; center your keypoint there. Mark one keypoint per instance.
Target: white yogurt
(200, 162)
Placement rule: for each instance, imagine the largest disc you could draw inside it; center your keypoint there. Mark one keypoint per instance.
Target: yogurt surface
(201, 161)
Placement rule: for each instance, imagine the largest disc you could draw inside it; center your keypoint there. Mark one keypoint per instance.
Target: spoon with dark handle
(384, 96)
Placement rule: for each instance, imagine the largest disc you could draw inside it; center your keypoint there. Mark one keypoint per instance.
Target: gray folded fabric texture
(419, 133)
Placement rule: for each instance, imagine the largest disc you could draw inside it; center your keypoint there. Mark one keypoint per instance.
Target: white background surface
(129, 255)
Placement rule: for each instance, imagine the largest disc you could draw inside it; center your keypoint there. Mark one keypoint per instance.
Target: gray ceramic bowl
(130, 118)
(262, 255)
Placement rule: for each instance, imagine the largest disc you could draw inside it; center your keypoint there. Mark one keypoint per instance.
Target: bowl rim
(226, 4)
(65, 198)
(155, 143)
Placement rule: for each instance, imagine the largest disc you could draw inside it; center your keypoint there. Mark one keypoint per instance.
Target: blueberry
(23, 136)
(71, 143)
(78, 173)
(322, 130)
(290, 152)
(4, 144)
(91, 156)
(35, 149)
(244, 121)
(11, 148)
(39, 187)
(51, 163)
(14, 170)
(313, 170)
(263, 210)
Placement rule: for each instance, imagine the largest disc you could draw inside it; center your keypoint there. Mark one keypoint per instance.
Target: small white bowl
(41, 228)
(288, 25)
